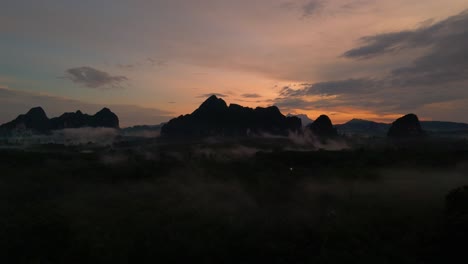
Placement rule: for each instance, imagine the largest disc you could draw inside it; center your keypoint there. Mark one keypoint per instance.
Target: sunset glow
(159, 59)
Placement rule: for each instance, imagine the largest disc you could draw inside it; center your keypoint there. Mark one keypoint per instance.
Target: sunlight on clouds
(174, 51)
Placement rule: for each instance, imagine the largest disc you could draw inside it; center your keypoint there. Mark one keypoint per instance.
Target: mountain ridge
(215, 118)
(373, 128)
(36, 120)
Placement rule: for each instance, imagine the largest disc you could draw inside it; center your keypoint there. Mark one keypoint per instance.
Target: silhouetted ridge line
(215, 118)
(363, 127)
(36, 120)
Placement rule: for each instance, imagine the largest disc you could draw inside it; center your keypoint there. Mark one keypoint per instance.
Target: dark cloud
(376, 95)
(311, 7)
(288, 103)
(288, 91)
(341, 87)
(307, 8)
(126, 66)
(355, 4)
(148, 62)
(437, 35)
(445, 63)
(93, 78)
(210, 94)
(156, 62)
(380, 44)
(439, 76)
(251, 95)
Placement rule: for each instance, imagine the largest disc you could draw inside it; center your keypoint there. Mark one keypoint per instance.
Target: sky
(149, 61)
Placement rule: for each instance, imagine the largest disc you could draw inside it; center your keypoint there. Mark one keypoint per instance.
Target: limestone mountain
(323, 127)
(405, 127)
(215, 118)
(36, 120)
(103, 118)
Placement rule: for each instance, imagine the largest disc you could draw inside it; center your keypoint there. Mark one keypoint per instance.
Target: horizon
(150, 62)
(228, 104)
(245, 131)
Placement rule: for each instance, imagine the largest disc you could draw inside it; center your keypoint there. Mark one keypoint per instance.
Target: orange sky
(167, 56)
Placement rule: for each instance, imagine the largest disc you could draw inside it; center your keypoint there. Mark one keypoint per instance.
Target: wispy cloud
(93, 78)
(312, 7)
(435, 78)
(251, 95)
(126, 66)
(142, 64)
(444, 63)
(438, 35)
(206, 95)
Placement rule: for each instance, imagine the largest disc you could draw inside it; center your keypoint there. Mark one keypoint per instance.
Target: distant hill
(304, 118)
(36, 120)
(444, 127)
(215, 118)
(371, 128)
(363, 127)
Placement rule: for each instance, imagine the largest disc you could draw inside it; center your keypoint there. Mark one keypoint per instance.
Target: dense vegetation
(229, 203)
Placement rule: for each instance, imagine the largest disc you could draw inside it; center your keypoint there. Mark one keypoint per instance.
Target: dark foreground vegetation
(233, 203)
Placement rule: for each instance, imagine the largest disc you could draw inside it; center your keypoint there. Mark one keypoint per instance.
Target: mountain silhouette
(103, 118)
(323, 127)
(36, 120)
(443, 127)
(215, 118)
(405, 127)
(363, 127)
(371, 128)
(304, 118)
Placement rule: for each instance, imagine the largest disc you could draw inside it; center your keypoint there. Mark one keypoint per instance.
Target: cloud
(435, 78)
(307, 8)
(93, 78)
(333, 87)
(355, 4)
(311, 7)
(141, 64)
(437, 35)
(444, 63)
(159, 63)
(126, 66)
(289, 92)
(288, 103)
(251, 95)
(206, 95)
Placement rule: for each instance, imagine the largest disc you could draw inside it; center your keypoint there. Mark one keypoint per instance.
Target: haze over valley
(260, 131)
